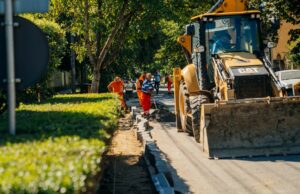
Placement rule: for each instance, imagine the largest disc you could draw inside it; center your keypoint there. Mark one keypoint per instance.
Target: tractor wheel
(195, 110)
(184, 109)
(196, 102)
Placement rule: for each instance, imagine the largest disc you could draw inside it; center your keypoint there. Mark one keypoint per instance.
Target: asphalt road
(197, 174)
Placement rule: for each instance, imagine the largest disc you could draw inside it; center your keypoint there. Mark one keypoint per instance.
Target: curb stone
(156, 162)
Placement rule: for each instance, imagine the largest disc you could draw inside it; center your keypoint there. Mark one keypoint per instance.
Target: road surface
(197, 174)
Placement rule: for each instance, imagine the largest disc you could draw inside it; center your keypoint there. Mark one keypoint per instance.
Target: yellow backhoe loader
(228, 96)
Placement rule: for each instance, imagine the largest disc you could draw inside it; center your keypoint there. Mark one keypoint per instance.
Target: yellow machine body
(296, 89)
(240, 60)
(189, 75)
(185, 42)
(231, 6)
(251, 127)
(229, 125)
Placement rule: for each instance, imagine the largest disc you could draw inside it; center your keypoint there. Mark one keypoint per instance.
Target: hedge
(58, 145)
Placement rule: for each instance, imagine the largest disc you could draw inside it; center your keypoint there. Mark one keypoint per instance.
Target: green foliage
(71, 16)
(57, 49)
(268, 16)
(59, 144)
(170, 54)
(152, 39)
(56, 37)
(3, 97)
(288, 11)
(147, 42)
(294, 54)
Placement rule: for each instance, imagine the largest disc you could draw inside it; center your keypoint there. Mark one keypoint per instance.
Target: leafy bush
(57, 41)
(58, 145)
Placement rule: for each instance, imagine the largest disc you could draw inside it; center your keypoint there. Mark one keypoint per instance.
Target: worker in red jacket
(147, 89)
(117, 86)
(169, 81)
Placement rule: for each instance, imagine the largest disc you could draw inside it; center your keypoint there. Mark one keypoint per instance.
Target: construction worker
(139, 85)
(117, 86)
(128, 87)
(169, 81)
(157, 81)
(222, 44)
(147, 89)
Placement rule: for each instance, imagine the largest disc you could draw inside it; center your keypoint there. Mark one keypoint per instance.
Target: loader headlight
(257, 16)
(252, 16)
(205, 19)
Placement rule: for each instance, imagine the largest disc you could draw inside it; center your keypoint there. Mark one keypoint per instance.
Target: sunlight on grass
(59, 144)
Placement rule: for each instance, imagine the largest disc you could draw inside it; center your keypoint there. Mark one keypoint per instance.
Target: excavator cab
(225, 34)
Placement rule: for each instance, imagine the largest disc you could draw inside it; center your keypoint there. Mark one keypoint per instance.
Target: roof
(289, 70)
(199, 17)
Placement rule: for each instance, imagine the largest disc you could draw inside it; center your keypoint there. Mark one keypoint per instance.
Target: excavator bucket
(251, 127)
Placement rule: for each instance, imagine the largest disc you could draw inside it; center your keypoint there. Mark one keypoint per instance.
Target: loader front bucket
(251, 127)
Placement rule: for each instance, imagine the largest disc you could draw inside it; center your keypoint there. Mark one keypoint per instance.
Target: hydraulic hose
(215, 6)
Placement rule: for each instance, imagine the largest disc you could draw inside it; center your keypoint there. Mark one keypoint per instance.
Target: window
(232, 34)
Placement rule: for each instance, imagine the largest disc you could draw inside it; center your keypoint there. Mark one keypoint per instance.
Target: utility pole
(11, 88)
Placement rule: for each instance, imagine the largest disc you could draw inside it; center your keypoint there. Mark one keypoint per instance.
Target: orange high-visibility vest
(116, 86)
(139, 83)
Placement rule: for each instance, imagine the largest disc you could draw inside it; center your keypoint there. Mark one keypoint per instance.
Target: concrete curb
(156, 162)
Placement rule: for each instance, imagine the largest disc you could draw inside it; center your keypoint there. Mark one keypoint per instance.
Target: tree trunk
(87, 33)
(99, 32)
(120, 40)
(103, 53)
(95, 81)
(73, 66)
(120, 20)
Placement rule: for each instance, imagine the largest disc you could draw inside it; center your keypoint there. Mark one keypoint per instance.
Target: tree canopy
(126, 37)
(285, 10)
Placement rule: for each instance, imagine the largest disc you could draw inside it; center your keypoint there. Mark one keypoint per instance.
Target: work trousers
(140, 96)
(156, 86)
(121, 97)
(146, 102)
(169, 87)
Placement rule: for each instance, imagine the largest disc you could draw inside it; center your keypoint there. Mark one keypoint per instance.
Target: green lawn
(58, 145)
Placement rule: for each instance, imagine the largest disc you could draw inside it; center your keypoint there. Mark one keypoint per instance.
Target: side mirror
(271, 45)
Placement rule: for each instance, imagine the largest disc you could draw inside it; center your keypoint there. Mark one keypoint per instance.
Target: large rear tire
(195, 109)
(184, 109)
(195, 103)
